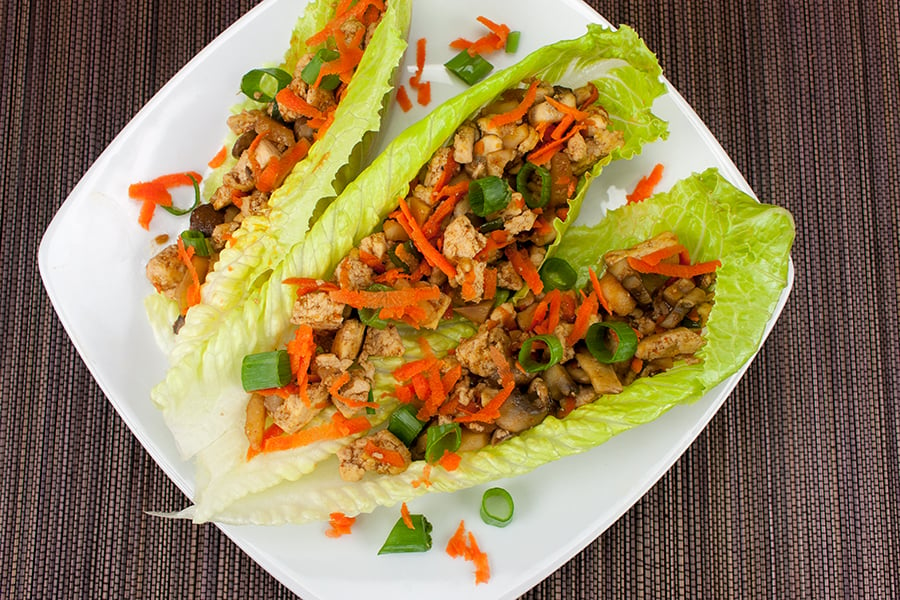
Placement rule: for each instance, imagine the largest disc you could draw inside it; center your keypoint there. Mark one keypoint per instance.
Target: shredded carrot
(480, 559)
(432, 226)
(599, 292)
(301, 350)
(371, 261)
(592, 97)
(416, 80)
(344, 65)
(552, 303)
(495, 40)
(340, 524)
(565, 109)
(431, 254)
(306, 285)
(637, 364)
(561, 127)
(583, 315)
(424, 479)
(217, 160)
(456, 545)
(403, 98)
(520, 110)
(339, 427)
(251, 154)
(451, 377)
(670, 270)
(492, 409)
(490, 283)
(155, 193)
(423, 94)
(274, 174)
(525, 268)
(404, 514)
(322, 127)
(270, 432)
(544, 153)
(333, 26)
(644, 188)
(384, 455)
(405, 393)
(468, 291)
(408, 370)
(388, 299)
(450, 460)
(655, 258)
(296, 104)
(497, 240)
(193, 292)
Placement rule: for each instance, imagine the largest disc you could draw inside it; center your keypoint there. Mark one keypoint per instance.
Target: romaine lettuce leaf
(201, 397)
(332, 162)
(714, 220)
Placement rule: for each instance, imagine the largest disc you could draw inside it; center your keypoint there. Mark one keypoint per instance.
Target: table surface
(792, 491)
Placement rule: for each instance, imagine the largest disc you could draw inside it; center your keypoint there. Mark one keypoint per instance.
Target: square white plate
(99, 298)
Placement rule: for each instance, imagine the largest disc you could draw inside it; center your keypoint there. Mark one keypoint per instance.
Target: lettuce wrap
(332, 161)
(714, 220)
(202, 397)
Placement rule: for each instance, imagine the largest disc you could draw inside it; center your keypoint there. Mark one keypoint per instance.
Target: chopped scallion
(183, 211)
(470, 69)
(523, 179)
(311, 71)
(512, 41)
(196, 240)
(625, 345)
(554, 353)
(403, 539)
(497, 507)
(262, 84)
(440, 438)
(265, 370)
(557, 274)
(502, 296)
(488, 195)
(404, 424)
(491, 226)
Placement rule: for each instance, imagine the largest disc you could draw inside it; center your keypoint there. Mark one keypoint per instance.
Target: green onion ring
(497, 507)
(522, 179)
(178, 212)
(470, 69)
(554, 347)
(625, 347)
(557, 274)
(440, 438)
(488, 195)
(405, 425)
(196, 240)
(252, 83)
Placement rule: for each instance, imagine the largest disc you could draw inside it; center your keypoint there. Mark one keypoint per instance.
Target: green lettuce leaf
(333, 161)
(714, 220)
(201, 397)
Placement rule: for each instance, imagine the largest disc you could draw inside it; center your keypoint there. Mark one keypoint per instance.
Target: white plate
(99, 296)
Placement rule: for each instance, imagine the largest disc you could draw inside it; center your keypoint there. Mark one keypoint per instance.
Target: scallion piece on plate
(440, 438)
(497, 507)
(404, 424)
(403, 539)
(523, 179)
(262, 84)
(470, 69)
(557, 274)
(196, 240)
(512, 41)
(625, 344)
(265, 370)
(488, 195)
(183, 211)
(553, 355)
(310, 72)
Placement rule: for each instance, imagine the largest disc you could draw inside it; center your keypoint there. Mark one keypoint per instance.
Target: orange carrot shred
(490, 283)
(340, 524)
(424, 479)
(388, 299)
(644, 188)
(423, 94)
(193, 292)
(404, 514)
(403, 98)
(482, 567)
(416, 80)
(456, 545)
(219, 158)
(339, 427)
(450, 460)
(384, 455)
(662, 254)
(637, 364)
(544, 153)
(599, 292)
(671, 270)
(519, 111)
(431, 254)
(583, 315)
(301, 350)
(525, 268)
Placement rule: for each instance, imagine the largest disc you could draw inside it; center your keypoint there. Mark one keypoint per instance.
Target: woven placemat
(792, 491)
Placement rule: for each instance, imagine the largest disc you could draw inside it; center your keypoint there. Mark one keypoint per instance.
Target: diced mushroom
(617, 297)
(523, 411)
(603, 377)
(667, 344)
(559, 383)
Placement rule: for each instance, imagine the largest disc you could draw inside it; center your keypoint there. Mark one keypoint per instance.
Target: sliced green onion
(491, 226)
(523, 178)
(403, 539)
(501, 296)
(196, 240)
(178, 212)
(557, 274)
(370, 399)
(512, 41)
(442, 437)
(488, 195)
(404, 424)
(497, 507)
(554, 350)
(470, 69)
(369, 316)
(262, 84)
(311, 71)
(625, 346)
(265, 370)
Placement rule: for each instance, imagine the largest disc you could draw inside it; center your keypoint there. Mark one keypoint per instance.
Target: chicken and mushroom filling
(472, 230)
(270, 141)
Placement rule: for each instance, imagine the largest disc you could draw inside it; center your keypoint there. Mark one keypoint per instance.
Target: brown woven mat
(792, 491)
